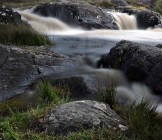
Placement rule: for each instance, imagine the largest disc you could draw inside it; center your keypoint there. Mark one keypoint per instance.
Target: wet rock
(128, 10)
(78, 85)
(20, 67)
(146, 19)
(79, 115)
(139, 62)
(8, 16)
(159, 46)
(80, 14)
(85, 85)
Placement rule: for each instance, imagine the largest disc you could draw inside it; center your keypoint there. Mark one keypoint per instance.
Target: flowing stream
(78, 43)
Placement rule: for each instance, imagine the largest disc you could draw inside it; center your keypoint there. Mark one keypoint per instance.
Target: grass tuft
(107, 95)
(144, 121)
(48, 93)
(107, 4)
(21, 35)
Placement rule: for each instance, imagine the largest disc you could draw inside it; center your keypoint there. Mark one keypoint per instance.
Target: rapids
(76, 43)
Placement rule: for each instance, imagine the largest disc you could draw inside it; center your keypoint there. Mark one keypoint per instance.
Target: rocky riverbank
(109, 106)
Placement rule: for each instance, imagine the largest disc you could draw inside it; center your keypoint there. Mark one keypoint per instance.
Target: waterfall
(125, 21)
(43, 25)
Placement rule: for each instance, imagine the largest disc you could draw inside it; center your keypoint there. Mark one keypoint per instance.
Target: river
(78, 43)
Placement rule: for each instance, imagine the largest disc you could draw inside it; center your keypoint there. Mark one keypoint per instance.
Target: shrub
(21, 35)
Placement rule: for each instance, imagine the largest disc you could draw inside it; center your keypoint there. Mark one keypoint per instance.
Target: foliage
(107, 95)
(19, 3)
(144, 116)
(107, 4)
(142, 119)
(157, 6)
(21, 35)
(48, 93)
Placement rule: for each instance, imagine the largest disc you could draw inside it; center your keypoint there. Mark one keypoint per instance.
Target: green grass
(21, 35)
(48, 93)
(142, 120)
(105, 4)
(157, 6)
(107, 95)
(22, 3)
(137, 4)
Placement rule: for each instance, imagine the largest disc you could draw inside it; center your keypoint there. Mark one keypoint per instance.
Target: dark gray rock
(146, 19)
(78, 85)
(139, 62)
(80, 14)
(159, 46)
(20, 67)
(120, 2)
(128, 10)
(80, 115)
(8, 16)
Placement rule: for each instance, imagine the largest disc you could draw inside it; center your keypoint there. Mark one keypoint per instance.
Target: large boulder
(19, 68)
(79, 115)
(138, 61)
(77, 14)
(146, 19)
(8, 16)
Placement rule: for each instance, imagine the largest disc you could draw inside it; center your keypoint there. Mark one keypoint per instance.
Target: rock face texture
(77, 14)
(139, 62)
(147, 19)
(79, 86)
(79, 115)
(8, 16)
(20, 67)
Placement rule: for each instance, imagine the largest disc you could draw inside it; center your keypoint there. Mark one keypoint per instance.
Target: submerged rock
(79, 115)
(80, 14)
(139, 62)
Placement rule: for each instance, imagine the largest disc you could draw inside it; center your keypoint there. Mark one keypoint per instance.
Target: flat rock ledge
(80, 115)
(19, 68)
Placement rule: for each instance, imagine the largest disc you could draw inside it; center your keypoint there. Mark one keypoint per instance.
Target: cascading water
(42, 24)
(124, 21)
(127, 24)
